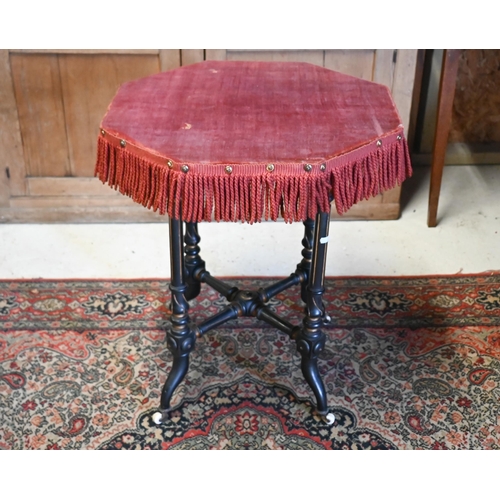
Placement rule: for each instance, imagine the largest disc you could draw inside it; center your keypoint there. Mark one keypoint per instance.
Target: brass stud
(379, 143)
(323, 167)
(185, 169)
(103, 132)
(123, 143)
(399, 137)
(308, 167)
(170, 164)
(270, 167)
(228, 169)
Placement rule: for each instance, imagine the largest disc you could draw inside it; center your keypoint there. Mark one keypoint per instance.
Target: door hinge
(395, 56)
(7, 172)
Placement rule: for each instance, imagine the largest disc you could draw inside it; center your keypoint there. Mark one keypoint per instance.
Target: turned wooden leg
(305, 264)
(309, 337)
(192, 261)
(445, 106)
(180, 337)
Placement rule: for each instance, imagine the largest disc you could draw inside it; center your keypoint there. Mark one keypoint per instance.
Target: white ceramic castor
(330, 418)
(158, 418)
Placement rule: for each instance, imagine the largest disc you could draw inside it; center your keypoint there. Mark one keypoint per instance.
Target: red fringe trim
(251, 192)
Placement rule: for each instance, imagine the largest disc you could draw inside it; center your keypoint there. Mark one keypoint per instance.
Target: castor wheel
(160, 417)
(329, 418)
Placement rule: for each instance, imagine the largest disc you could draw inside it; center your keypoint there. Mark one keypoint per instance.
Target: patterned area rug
(409, 363)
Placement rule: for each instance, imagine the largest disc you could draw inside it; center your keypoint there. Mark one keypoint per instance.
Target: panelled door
(51, 104)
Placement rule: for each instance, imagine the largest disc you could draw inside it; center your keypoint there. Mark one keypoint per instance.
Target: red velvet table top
(251, 122)
(234, 112)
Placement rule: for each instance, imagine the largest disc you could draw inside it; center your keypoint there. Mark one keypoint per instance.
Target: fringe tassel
(248, 198)
(381, 170)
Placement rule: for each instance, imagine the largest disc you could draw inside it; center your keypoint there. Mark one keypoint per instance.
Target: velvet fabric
(231, 140)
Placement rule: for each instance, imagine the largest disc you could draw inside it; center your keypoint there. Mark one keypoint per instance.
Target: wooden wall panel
(169, 59)
(383, 68)
(69, 186)
(52, 102)
(191, 56)
(4, 189)
(215, 54)
(71, 213)
(357, 63)
(310, 56)
(88, 86)
(86, 51)
(38, 92)
(402, 87)
(12, 171)
(72, 201)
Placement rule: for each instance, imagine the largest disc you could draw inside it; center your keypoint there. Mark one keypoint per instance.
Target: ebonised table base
(188, 272)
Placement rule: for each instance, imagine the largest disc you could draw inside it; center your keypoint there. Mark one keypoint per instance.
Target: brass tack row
(228, 169)
(308, 167)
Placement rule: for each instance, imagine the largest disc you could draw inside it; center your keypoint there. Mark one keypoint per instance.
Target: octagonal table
(246, 141)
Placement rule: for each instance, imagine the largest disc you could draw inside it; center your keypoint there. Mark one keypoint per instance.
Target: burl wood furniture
(246, 141)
